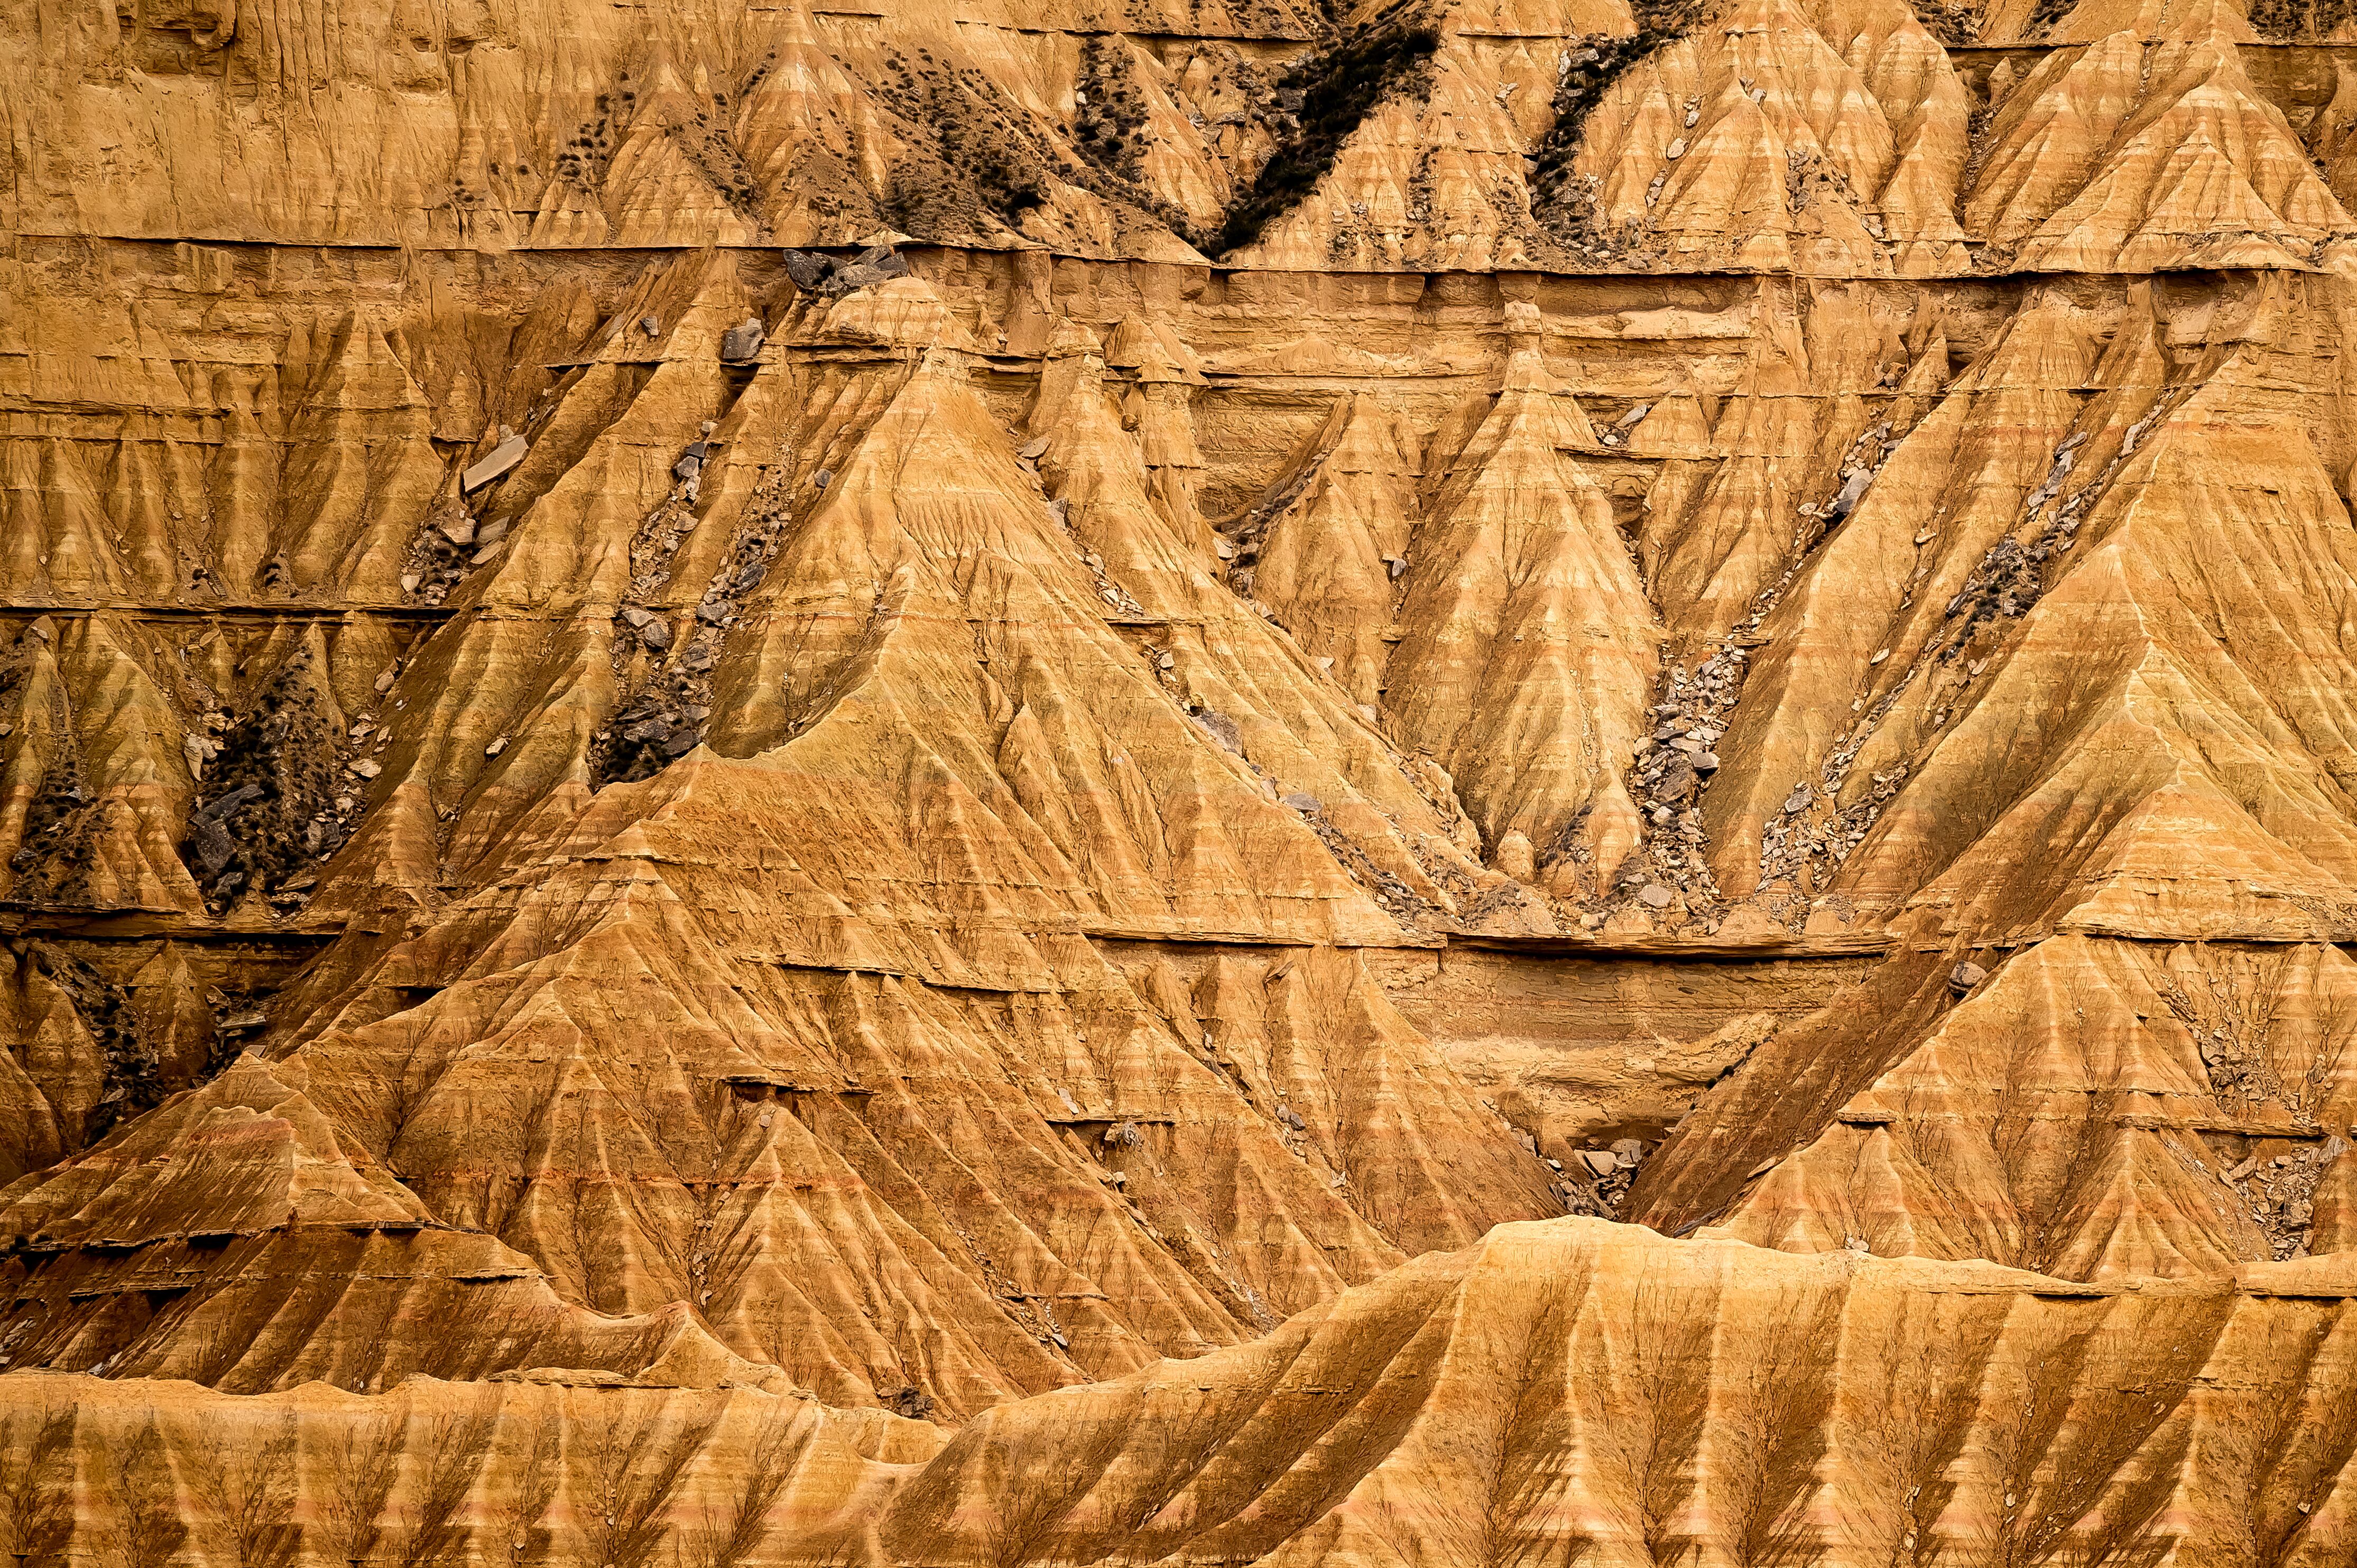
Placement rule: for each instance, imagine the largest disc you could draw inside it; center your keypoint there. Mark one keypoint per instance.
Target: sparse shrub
(1339, 88)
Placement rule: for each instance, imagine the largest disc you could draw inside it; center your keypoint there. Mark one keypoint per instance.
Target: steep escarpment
(1241, 782)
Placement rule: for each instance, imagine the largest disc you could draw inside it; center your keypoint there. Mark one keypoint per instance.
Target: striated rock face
(1461, 784)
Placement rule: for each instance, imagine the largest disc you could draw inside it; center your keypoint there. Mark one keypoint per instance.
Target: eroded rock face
(1461, 785)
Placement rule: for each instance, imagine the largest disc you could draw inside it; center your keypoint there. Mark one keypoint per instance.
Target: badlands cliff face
(867, 783)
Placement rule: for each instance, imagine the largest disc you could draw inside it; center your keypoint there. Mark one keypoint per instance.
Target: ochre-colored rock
(1462, 784)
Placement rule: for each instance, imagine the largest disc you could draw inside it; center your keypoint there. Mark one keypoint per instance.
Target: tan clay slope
(823, 580)
(777, 836)
(1834, 138)
(2078, 680)
(1572, 1389)
(2108, 704)
(1556, 1391)
(2096, 1109)
(644, 1069)
(2126, 155)
(1784, 137)
(1527, 646)
(638, 1067)
(955, 807)
(810, 1054)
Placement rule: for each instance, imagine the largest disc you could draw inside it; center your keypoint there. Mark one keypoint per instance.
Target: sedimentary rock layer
(1556, 1391)
(904, 784)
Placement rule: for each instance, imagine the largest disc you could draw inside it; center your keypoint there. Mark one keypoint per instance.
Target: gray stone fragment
(742, 341)
(1852, 492)
(807, 268)
(221, 810)
(213, 845)
(496, 461)
(1224, 729)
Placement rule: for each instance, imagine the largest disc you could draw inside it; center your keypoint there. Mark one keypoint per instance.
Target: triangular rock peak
(856, 785)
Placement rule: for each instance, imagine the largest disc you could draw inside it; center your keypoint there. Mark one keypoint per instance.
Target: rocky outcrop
(1716, 1396)
(1255, 783)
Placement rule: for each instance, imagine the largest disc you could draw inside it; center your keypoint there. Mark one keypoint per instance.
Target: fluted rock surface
(892, 782)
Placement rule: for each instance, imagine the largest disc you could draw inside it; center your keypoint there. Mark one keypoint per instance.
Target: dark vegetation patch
(444, 548)
(275, 800)
(134, 1077)
(52, 862)
(2300, 21)
(586, 155)
(1955, 23)
(1110, 131)
(708, 141)
(667, 719)
(911, 1402)
(969, 153)
(52, 859)
(1562, 202)
(701, 133)
(238, 1013)
(2044, 16)
(661, 724)
(1325, 98)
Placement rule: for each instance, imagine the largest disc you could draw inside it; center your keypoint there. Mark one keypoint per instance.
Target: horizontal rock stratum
(1558, 1391)
(1459, 785)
